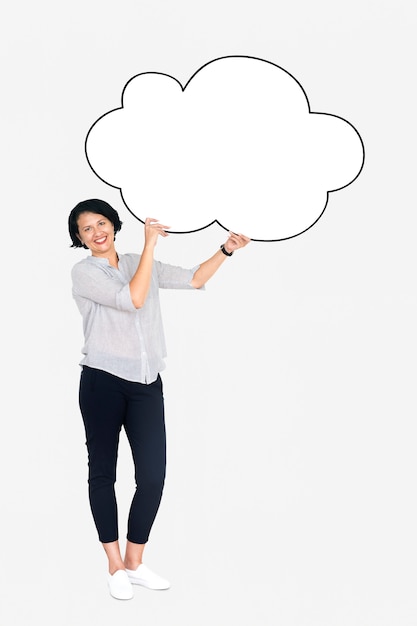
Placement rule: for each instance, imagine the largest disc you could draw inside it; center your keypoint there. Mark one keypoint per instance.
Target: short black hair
(100, 207)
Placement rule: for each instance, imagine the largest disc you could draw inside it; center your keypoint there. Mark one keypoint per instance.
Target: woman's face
(96, 232)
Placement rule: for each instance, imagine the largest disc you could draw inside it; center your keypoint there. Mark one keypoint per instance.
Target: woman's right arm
(140, 283)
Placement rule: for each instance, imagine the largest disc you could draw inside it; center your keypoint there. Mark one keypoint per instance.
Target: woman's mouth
(101, 240)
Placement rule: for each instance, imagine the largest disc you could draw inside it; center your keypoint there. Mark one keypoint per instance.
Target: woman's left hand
(235, 241)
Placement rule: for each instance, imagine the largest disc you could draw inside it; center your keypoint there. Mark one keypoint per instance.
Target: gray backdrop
(290, 496)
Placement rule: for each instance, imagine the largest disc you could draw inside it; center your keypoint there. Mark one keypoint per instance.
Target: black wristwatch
(223, 249)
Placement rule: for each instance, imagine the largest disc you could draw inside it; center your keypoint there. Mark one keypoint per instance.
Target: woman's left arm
(209, 267)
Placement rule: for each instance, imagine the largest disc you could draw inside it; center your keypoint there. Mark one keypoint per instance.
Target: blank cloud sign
(237, 145)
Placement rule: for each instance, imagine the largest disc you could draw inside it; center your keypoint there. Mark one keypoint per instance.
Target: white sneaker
(145, 577)
(120, 586)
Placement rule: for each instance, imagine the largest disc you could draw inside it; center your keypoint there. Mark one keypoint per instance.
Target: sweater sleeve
(174, 277)
(97, 284)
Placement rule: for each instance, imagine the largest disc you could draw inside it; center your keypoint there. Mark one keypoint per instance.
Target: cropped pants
(107, 404)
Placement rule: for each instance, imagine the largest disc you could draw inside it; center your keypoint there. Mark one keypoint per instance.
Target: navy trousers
(107, 404)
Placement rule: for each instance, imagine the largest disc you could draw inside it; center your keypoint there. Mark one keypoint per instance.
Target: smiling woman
(120, 386)
(96, 232)
(99, 210)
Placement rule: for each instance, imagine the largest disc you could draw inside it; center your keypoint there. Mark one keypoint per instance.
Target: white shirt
(119, 338)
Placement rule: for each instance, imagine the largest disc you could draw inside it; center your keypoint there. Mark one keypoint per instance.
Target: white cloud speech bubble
(237, 145)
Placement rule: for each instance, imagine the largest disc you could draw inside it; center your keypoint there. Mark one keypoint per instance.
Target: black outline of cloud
(232, 56)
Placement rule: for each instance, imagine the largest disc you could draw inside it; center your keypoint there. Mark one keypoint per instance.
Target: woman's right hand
(152, 231)
(141, 280)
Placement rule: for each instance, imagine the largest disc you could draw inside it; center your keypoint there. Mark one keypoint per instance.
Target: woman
(120, 384)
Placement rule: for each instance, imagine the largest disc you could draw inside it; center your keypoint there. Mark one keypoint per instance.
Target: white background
(290, 383)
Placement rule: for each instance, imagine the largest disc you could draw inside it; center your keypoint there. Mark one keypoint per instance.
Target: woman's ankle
(132, 564)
